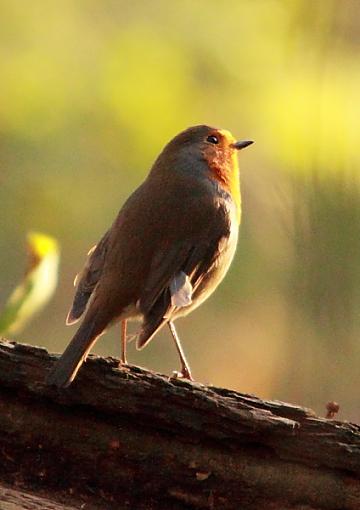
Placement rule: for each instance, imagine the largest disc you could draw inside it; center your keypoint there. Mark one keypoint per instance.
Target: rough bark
(14, 499)
(130, 438)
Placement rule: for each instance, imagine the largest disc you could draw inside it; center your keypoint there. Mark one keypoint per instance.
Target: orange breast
(226, 172)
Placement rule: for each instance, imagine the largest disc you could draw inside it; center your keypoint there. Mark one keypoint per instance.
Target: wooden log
(130, 438)
(15, 499)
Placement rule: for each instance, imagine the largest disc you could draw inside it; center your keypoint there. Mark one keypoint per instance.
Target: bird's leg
(185, 369)
(123, 360)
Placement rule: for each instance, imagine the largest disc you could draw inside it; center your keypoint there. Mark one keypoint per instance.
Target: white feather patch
(181, 290)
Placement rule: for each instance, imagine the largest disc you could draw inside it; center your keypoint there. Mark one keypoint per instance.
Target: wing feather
(176, 273)
(87, 279)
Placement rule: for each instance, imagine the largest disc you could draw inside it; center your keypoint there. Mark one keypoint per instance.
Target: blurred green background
(90, 92)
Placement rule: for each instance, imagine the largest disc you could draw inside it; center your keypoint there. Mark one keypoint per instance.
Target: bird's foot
(123, 364)
(184, 374)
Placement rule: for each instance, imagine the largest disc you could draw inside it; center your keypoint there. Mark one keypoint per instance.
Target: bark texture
(14, 499)
(133, 439)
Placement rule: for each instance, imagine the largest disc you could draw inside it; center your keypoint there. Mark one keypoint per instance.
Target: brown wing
(87, 280)
(193, 259)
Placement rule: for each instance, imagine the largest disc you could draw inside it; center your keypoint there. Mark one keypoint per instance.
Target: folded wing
(176, 274)
(87, 280)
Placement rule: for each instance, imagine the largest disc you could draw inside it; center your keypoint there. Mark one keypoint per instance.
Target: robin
(166, 252)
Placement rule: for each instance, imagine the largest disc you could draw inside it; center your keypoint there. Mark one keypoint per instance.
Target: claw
(184, 374)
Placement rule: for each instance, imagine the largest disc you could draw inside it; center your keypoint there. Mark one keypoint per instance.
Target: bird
(167, 250)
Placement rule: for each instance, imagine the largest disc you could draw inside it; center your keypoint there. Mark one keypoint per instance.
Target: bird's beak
(241, 145)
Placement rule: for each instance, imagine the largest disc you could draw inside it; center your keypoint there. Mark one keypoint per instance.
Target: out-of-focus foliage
(37, 287)
(91, 91)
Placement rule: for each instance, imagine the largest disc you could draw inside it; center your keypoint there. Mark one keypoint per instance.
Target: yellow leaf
(37, 287)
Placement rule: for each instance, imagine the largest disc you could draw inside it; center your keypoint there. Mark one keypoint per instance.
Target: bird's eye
(212, 139)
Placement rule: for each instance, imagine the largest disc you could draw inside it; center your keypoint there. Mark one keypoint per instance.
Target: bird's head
(204, 149)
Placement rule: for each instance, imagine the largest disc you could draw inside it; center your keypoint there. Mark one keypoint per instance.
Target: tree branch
(133, 439)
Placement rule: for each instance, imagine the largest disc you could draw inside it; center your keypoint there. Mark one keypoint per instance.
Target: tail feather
(66, 368)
